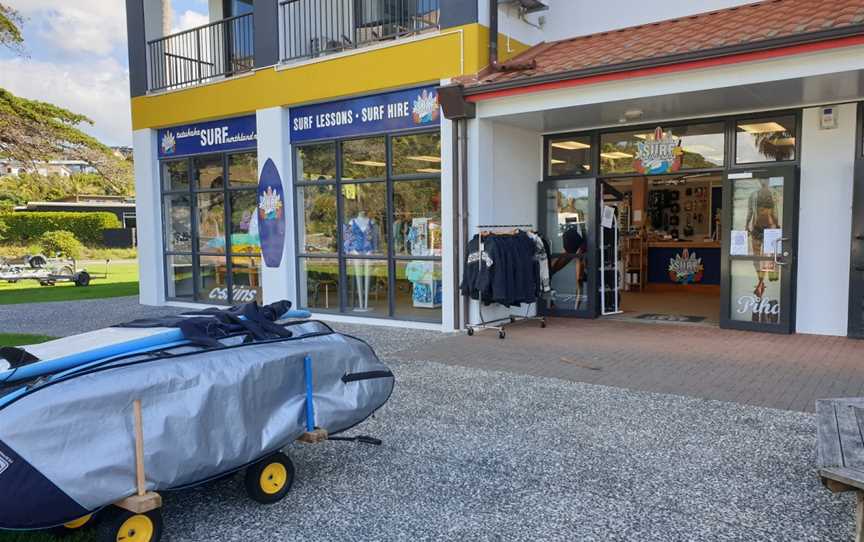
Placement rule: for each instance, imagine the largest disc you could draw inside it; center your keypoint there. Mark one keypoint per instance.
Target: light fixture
(571, 145)
(615, 155)
(633, 114)
(556, 161)
(784, 142)
(425, 158)
(762, 127)
(428, 170)
(369, 163)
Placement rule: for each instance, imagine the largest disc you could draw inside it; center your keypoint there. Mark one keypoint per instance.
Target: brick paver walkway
(778, 371)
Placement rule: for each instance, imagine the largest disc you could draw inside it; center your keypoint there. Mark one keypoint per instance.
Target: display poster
(271, 214)
(770, 240)
(387, 112)
(214, 136)
(608, 216)
(738, 245)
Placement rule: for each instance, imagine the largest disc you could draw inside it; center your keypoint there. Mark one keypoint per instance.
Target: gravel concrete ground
(472, 454)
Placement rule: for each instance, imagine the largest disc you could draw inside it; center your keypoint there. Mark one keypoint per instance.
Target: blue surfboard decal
(271, 214)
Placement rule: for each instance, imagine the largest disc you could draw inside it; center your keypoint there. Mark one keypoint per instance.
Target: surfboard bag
(67, 444)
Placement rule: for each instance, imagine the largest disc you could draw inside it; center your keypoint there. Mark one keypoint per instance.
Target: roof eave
(705, 54)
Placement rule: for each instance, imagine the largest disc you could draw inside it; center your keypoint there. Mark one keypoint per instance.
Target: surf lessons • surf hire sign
(271, 214)
(387, 112)
(222, 135)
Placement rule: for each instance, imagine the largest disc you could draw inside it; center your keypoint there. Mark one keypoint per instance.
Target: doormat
(671, 318)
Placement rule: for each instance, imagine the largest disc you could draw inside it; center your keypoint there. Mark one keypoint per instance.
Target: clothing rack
(499, 324)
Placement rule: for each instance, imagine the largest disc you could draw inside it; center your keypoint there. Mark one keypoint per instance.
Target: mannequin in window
(361, 239)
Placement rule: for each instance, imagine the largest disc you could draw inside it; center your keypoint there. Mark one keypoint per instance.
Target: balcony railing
(312, 28)
(202, 54)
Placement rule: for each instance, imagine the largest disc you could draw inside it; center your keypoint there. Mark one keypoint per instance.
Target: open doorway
(669, 246)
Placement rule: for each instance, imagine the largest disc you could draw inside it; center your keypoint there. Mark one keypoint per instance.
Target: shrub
(3, 229)
(62, 241)
(29, 226)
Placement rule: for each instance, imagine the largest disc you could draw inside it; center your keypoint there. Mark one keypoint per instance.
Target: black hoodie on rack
(505, 273)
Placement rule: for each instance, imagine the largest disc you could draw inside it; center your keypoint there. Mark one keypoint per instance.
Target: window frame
(194, 252)
(338, 182)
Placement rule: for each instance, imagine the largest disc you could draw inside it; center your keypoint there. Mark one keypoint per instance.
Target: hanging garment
(360, 239)
(505, 272)
(542, 259)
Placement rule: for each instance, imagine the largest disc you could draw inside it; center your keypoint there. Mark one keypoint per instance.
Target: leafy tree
(32, 131)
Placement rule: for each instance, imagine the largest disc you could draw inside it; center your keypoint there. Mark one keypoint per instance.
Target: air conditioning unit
(527, 6)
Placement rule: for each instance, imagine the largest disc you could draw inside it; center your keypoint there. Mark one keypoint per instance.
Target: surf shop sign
(233, 134)
(658, 154)
(686, 268)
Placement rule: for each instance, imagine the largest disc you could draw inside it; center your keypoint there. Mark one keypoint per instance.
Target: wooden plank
(839, 479)
(827, 435)
(141, 504)
(859, 517)
(139, 449)
(851, 441)
(313, 437)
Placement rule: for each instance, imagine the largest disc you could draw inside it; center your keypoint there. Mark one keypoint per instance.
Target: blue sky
(77, 58)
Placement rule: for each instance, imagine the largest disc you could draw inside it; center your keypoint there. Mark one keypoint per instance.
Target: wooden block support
(859, 517)
(141, 504)
(313, 437)
(139, 449)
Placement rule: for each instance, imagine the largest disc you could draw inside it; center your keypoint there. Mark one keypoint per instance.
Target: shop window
(364, 229)
(316, 219)
(766, 139)
(212, 243)
(692, 146)
(569, 156)
(316, 162)
(175, 175)
(370, 239)
(418, 154)
(364, 159)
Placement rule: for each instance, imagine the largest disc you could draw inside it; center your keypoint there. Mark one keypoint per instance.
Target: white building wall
(274, 143)
(505, 165)
(448, 236)
(825, 223)
(148, 207)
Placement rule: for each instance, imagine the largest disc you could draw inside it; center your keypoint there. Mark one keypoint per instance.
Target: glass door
(568, 210)
(856, 273)
(759, 247)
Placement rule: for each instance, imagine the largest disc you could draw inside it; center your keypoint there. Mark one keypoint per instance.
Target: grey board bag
(67, 444)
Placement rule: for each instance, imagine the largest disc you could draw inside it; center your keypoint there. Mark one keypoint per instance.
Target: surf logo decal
(686, 268)
(271, 214)
(169, 143)
(5, 463)
(425, 108)
(662, 154)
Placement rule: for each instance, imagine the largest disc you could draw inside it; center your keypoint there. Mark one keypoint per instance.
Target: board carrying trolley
(174, 416)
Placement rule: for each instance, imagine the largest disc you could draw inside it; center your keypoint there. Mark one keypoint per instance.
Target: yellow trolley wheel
(269, 480)
(130, 527)
(75, 526)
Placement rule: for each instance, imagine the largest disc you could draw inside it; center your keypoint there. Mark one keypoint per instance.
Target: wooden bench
(840, 450)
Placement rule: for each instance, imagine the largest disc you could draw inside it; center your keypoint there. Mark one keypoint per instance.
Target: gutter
(669, 60)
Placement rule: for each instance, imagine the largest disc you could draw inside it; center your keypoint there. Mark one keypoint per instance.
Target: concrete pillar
(274, 143)
(148, 210)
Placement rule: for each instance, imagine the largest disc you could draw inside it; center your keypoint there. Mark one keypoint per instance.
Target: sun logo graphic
(169, 143)
(426, 108)
(270, 205)
(686, 268)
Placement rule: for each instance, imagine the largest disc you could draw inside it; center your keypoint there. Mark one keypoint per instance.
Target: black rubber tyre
(131, 527)
(502, 334)
(269, 480)
(542, 323)
(470, 332)
(80, 525)
(82, 279)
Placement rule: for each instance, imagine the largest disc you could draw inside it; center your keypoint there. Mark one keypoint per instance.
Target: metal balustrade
(312, 28)
(198, 55)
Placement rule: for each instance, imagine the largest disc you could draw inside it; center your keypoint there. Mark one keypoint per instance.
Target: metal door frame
(592, 309)
(855, 326)
(791, 188)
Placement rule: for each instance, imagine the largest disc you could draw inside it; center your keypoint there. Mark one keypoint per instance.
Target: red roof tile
(751, 25)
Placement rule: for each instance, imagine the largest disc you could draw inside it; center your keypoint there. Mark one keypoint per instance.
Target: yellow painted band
(425, 59)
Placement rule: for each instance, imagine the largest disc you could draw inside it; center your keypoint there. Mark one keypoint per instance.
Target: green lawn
(15, 339)
(122, 281)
